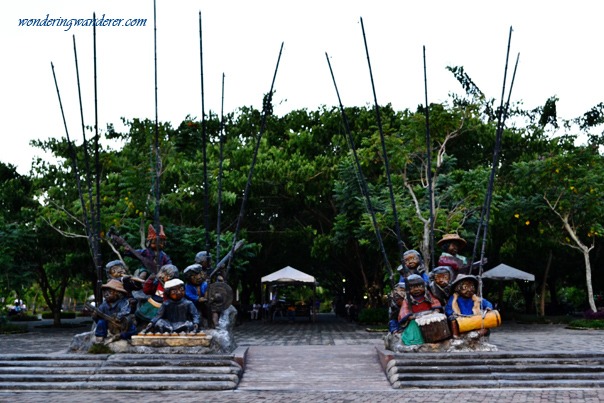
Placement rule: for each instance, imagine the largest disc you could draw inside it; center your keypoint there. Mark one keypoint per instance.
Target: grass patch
(99, 349)
(23, 318)
(587, 324)
(10, 328)
(541, 320)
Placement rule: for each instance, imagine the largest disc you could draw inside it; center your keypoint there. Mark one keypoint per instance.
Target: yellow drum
(475, 322)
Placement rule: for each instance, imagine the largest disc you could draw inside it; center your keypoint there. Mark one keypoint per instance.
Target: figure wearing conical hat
(451, 245)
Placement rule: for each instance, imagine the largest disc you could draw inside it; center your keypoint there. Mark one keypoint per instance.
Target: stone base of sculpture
(208, 341)
(467, 342)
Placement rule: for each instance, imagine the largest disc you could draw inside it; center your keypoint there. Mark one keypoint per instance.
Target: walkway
(287, 347)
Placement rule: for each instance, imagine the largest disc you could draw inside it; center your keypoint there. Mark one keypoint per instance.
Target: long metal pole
(265, 112)
(74, 164)
(156, 220)
(486, 204)
(401, 245)
(90, 228)
(220, 162)
(361, 178)
(97, 234)
(204, 146)
(429, 166)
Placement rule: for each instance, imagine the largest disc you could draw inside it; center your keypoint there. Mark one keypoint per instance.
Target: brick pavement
(328, 331)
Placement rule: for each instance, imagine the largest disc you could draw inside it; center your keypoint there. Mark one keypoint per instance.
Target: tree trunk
(544, 285)
(590, 290)
(56, 316)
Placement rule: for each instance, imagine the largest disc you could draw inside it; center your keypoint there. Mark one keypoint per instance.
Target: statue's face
(453, 248)
(117, 271)
(111, 295)
(411, 261)
(164, 276)
(442, 279)
(466, 288)
(417, 290)
(153, 244)
(197, 278)
(176, 293)
(398, 295)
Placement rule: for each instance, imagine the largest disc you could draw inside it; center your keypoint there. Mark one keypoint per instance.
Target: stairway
(494, 370)
(119, 372)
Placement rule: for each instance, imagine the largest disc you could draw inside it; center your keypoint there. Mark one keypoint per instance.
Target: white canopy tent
(505, 272)
(290, 276)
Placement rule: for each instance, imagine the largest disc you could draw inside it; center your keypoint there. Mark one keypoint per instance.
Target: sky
(559, 43)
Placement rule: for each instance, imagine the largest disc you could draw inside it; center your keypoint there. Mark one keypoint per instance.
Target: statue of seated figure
(177, 314)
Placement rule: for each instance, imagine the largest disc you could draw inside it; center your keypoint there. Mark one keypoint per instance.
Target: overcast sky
(559, 44)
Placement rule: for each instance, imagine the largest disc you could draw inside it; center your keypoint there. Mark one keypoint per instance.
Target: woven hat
(462, 277)
(115, 285)
(451, 238)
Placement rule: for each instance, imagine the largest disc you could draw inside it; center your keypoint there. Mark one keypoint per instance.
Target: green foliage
(373, 316)
(305, 207)
(64, 315)
(10, 328)
(587, 324)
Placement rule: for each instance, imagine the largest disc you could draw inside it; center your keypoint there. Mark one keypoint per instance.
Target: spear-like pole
(156, 220)
(496, 153)
(267, 105)
(429, 166)
(97, 234)
(85, 147)
(74, 165)
(89, 220)
(499, 131)
(400, 243)
(220, 162)
(361, 177)
(204, 145)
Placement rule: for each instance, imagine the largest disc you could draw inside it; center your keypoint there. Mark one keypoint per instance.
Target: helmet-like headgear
(441, 270)
(168, 269)
(192, 270)
(202, 256)
(414, 279)
(112, 264)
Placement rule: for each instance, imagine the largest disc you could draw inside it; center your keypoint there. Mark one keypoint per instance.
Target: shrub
(586, 323)
(9, 328)
(373, 316)
(64, 315)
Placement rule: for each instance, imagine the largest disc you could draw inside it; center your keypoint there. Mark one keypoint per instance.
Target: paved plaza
(329, 330)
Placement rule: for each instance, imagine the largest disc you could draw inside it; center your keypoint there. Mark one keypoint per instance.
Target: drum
(475, 322)
(434, 327)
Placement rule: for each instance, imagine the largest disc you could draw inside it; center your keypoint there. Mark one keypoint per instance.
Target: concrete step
(494, 370)
(120, 372)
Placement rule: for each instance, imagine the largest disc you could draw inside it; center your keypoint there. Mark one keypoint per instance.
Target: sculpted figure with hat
(116, 323)
(176, 314)
(465, 302)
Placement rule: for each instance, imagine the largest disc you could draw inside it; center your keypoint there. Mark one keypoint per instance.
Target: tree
(569, 186)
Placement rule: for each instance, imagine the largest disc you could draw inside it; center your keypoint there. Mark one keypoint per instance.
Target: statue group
(440, 310)
(160, 303)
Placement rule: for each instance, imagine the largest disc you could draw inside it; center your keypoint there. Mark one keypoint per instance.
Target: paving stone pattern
(328, 331)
